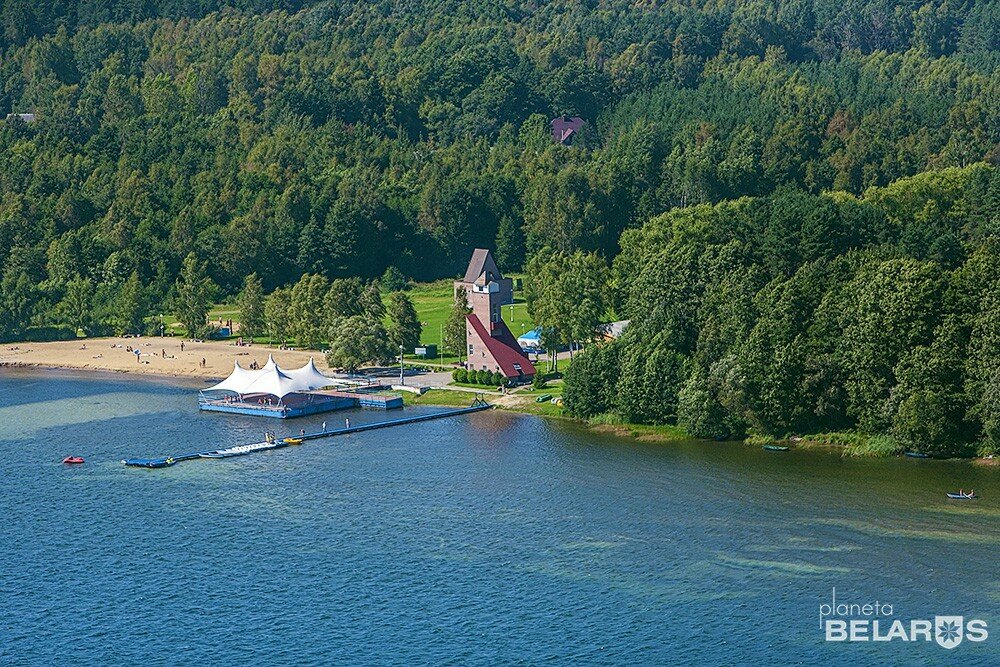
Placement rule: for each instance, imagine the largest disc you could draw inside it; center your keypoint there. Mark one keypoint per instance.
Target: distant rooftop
(565, 128)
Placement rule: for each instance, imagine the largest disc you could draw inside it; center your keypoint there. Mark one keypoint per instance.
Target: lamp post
(401, 364)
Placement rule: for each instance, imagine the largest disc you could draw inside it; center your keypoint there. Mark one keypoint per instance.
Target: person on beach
(182, 346)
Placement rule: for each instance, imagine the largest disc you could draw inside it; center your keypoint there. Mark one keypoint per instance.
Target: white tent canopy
(272, 380)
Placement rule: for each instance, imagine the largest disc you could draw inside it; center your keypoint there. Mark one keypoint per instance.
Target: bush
(484, 377)
(538, 382)
(460, 375)
(499, 379)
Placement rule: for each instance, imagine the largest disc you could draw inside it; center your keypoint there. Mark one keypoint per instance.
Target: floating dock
(278, 443)
(300, 405)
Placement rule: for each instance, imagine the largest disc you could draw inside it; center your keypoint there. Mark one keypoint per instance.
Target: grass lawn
(457, 399)
(433, 302)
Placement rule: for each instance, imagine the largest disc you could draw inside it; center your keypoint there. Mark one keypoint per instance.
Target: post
(441, 343)
(401, 364)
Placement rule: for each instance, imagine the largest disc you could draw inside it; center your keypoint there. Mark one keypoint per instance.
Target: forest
(798, 313)
(747, 170)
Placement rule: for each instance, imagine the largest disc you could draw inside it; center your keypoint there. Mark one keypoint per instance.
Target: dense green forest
(800, 313)
(342, 138)
(796, 196)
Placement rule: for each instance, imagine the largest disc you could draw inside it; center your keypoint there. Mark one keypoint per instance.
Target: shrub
(499, 379)
(484, 377)
(460, 375)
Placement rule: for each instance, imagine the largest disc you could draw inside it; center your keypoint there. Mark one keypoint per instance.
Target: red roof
(504, 348)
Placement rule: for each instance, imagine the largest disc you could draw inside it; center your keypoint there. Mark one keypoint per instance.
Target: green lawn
(458, 399)
(433, 302)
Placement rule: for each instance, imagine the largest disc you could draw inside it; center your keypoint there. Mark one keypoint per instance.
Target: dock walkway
(278, 443)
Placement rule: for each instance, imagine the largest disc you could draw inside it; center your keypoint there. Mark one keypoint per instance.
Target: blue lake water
(486, 539)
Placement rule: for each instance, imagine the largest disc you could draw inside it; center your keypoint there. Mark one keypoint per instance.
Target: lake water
(486, 539)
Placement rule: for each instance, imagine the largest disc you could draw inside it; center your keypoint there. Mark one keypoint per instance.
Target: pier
(279, 443)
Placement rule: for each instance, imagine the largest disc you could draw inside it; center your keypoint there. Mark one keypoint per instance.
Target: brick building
(491, 346)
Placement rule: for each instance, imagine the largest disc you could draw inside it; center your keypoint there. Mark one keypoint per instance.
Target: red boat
(73, 460)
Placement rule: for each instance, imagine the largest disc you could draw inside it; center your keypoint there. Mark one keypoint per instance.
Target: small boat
(916, 455)
(963, 496)
(293, 441)
(543, 398)
(776, 448)
(73, 460)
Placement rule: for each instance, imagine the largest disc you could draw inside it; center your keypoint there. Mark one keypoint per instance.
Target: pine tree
(404, 326)
(193, 295)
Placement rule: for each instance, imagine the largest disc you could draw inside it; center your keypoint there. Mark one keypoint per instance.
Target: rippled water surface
(486, 539)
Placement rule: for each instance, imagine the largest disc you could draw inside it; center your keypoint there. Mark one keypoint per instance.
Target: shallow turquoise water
(486, 539)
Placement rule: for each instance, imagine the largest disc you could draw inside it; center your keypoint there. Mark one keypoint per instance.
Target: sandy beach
(112, 354)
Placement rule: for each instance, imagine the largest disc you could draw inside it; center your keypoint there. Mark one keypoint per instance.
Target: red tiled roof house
(491, 346)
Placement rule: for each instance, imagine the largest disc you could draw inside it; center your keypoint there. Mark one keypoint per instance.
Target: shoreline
(110, 356)
(159, 357)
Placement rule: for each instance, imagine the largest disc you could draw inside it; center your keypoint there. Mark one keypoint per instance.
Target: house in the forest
(565, 129)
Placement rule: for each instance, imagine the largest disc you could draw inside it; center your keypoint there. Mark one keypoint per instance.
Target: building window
(470, 348)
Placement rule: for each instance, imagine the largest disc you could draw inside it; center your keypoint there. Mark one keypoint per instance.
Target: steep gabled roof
(504, 348)
(480, 262)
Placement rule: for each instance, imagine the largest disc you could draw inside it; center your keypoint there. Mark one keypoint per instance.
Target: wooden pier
(278, 443)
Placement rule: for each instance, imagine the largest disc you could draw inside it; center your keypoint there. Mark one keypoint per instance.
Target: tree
(371, 301)
(251, 304)
(404, 326)
(510, 244)
(567, 297)
(78, 302)
(393, 280)
(454, 326)
(129, 306)
(307, 321)
(344, 298)
(356, 341)
(193, 294)
(590, 381)
(277, 318)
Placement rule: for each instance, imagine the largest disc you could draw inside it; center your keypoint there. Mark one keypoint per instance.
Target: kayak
(776, 448)
(962, 496)
(293, 441)
(73, 460)
(916, 455)
(543, 398)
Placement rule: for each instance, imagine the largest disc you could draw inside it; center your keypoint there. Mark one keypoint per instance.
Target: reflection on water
(483, 539)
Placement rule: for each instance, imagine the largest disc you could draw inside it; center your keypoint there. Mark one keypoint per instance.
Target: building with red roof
(491, 346)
